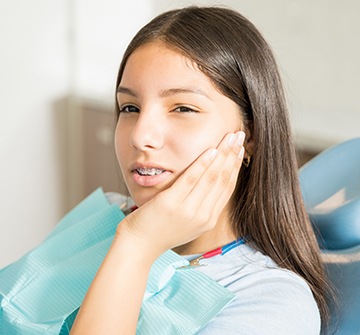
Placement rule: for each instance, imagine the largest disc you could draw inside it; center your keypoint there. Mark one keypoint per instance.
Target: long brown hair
(267, 202)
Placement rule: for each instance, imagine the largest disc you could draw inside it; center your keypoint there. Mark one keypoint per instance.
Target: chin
(140, 197)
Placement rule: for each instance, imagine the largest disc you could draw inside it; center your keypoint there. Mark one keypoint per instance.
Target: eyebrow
(167, 92)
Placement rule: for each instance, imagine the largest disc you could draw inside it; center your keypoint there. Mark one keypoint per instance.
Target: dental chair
(330, 185)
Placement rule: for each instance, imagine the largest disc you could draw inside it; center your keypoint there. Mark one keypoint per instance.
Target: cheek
(193, 141)
(190, 145)
(121, 146)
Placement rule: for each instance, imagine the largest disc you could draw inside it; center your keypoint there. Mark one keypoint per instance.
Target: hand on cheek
(192, 205)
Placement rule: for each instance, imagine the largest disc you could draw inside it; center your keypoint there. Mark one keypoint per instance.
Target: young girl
(203, 141)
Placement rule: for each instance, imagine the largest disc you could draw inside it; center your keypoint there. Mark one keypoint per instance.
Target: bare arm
(192, 205)
(113, 302)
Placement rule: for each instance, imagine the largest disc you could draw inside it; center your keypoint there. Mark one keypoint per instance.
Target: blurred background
(58, 64)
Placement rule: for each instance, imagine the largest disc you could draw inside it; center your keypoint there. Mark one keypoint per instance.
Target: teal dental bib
(42, 291)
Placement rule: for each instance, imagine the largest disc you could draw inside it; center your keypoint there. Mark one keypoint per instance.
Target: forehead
(160, 63)
(157, 49)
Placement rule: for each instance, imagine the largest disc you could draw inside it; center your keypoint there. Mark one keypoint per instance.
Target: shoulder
(269, 300)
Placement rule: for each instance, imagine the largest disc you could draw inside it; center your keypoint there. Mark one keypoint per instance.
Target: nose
(148, 132)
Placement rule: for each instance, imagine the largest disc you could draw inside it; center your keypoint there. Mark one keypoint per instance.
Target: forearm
(113, 302)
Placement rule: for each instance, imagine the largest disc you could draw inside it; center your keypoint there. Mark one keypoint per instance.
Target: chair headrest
(330, 185)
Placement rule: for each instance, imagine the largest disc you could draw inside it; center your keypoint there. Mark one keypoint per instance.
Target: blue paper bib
(41, 292)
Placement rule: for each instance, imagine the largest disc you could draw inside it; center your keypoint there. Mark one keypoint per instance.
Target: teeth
(149, 172)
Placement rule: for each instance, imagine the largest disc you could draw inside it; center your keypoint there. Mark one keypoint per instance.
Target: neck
(220, 235)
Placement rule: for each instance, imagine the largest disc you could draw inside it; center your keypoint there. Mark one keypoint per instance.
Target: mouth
(149, 176)
(148, 171)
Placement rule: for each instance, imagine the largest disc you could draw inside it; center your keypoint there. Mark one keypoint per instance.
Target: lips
(148, 175)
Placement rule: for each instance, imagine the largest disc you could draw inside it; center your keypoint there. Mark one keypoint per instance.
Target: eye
(129, 109)
(184, 109)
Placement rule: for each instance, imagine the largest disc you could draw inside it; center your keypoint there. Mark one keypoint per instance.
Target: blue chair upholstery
(330, 185)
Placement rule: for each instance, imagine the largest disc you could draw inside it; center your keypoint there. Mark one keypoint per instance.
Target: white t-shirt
(269, 300)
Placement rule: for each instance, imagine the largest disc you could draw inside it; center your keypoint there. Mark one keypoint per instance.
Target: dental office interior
(58, 65)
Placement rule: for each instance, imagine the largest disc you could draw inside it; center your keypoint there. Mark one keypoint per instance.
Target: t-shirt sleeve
(268, 301)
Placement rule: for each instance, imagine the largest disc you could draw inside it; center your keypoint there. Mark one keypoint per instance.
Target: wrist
(137, 247)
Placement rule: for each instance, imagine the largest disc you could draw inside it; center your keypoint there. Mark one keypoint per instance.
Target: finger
(220, 194)
(219, 173)
(226, 195)
(188, 180)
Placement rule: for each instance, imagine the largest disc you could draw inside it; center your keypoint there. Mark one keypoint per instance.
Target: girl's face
(170, 113)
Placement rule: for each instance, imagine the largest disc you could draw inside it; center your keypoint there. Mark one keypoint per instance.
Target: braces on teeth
(149, 172)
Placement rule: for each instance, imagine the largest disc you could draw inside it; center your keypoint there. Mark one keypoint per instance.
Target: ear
(249, 147)
(249, 144)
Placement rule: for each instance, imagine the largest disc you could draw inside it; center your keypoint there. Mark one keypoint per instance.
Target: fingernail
(241, 153)
(231, 139)
(213, 154)
(241, 138)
